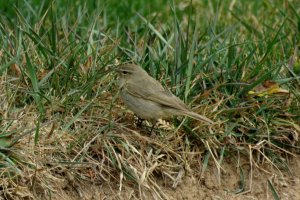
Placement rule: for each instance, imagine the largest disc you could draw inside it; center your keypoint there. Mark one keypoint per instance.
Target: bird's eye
(124, 72)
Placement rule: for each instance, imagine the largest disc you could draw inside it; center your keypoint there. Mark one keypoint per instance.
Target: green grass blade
(189, 70)
(155, 31)
(273, 191)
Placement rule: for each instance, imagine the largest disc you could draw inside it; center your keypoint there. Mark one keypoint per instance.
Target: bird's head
(129, 72)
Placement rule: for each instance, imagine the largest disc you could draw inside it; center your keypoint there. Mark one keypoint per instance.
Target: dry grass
(104, 146)
(64, 130)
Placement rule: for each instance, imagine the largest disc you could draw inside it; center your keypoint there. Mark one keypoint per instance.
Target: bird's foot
(139, 122)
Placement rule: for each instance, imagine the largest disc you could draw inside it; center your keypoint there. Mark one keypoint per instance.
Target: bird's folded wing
(154, 91)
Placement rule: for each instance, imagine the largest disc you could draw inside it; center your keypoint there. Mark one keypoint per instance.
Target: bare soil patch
(209, 187)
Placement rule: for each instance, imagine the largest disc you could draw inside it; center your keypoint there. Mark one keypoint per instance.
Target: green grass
(55, 62)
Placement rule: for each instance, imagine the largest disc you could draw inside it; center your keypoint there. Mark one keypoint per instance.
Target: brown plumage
(146, 97)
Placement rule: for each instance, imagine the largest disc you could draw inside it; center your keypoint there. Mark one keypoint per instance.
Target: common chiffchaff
(147, 98)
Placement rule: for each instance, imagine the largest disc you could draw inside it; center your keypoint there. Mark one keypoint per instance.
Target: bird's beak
(117, 70)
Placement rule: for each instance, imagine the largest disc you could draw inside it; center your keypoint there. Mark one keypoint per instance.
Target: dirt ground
(229, 183)
(207, 188)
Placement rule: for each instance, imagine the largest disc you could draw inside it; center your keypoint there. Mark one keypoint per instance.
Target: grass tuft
(63, 124)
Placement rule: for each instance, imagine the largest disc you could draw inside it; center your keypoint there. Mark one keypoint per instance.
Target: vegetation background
(65, 133)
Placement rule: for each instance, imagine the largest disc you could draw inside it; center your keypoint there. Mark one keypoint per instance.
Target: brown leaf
(268, 87)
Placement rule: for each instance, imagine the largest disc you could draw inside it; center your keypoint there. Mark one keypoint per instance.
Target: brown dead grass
(103, 155)
(99, 158)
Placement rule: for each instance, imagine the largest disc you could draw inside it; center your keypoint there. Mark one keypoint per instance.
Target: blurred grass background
(235, 61)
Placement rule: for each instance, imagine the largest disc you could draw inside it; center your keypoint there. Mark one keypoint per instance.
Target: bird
(148, 99)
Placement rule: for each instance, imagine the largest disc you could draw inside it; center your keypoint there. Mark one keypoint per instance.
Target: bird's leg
(153, 135)
(152, 127)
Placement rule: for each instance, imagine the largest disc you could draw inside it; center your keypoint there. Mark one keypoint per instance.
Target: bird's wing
(155, 92)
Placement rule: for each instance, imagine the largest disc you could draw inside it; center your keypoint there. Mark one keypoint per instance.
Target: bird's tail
(198, 117)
